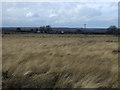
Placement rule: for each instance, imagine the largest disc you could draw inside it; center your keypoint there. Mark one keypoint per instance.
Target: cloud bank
(60, 14)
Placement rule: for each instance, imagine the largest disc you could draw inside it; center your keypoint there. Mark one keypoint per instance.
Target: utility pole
(85, 28)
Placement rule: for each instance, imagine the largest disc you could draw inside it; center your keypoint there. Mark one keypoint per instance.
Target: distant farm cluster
(59, 30)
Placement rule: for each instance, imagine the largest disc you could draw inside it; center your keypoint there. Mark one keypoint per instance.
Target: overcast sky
(60, 14)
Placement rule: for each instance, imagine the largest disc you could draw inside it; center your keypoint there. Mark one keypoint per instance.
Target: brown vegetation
(59, 61)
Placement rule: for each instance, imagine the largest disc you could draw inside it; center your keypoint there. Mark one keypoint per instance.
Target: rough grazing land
(60, 61)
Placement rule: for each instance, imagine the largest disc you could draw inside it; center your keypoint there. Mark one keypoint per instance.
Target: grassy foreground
(59, 61)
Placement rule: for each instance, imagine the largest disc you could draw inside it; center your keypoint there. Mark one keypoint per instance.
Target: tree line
(42, 29)
(47, 29)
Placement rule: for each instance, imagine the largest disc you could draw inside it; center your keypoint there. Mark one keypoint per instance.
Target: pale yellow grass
(60, 61)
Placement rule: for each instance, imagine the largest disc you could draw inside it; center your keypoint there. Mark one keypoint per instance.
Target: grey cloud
(59, 14)
(90, 12)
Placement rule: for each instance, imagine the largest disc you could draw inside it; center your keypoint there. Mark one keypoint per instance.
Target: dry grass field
(59, 61)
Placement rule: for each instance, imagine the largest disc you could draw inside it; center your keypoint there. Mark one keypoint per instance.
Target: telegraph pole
(85, 28)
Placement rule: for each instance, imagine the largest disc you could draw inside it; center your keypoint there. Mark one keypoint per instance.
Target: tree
(42, 29)
(112, 30)
(118, 30)
(48, 28)
(45, 29)
(31, 30)
(78, 31)
(18, 29)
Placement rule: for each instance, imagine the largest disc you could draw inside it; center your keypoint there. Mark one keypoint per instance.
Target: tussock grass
(59, 61)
